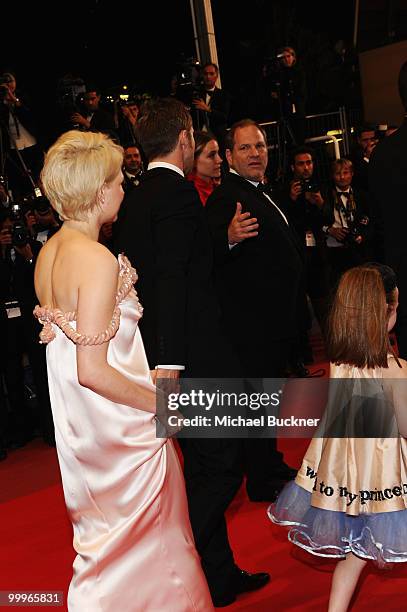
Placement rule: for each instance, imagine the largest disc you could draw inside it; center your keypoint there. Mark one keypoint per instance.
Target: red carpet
(36, 551)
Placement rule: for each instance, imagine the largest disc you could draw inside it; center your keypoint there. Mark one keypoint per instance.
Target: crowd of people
(157, 255)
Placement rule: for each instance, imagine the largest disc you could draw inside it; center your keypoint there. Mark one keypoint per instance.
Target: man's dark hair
(403, 85)
(92, 87)
(210, 64)
(230, 135)
(364, 127)
(301, 150)
(160, 124)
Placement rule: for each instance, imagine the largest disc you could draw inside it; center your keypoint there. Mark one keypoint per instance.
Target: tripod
(21, 167)
(285, 138)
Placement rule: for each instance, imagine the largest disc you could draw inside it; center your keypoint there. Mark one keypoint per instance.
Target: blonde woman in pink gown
(123, 486)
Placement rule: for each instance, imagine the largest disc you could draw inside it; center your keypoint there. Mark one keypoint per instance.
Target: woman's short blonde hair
(76, 167)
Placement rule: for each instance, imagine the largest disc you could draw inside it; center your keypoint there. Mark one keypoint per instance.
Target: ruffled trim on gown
(47, 315)
(381, 537)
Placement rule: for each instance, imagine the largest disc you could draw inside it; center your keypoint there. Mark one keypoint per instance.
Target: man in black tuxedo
(259, 277)
(167, 239)
(388, 188)
(214, 105)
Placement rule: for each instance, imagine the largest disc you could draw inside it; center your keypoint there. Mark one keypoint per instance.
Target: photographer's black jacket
(302, 215)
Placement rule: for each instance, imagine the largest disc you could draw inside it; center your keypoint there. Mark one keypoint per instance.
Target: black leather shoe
(222, 601)
(246, 582)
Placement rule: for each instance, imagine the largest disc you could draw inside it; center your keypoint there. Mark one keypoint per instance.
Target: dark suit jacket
(259, 279)
(388, 189)
(167, 240)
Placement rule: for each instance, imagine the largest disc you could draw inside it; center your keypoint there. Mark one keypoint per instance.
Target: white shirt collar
(163, 164)
(233, 171)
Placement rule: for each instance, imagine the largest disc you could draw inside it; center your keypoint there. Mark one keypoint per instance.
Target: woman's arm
(96, 302)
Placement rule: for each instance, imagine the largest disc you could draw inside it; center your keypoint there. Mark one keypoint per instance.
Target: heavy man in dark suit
(259, 279)
(167, 239)
(388, 191)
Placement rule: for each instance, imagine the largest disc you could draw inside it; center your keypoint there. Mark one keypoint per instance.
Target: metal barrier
(328, 134)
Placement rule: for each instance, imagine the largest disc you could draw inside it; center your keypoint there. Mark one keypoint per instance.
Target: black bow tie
(347, 194)
(263, 187)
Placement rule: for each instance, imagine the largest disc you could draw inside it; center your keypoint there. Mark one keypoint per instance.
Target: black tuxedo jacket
(165, 236)
(259, 280)
(388, 191)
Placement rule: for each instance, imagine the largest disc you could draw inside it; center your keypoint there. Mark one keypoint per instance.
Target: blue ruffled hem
(381, 537)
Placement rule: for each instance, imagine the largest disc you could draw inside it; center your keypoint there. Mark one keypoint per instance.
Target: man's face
(343, 177)
(91, 101)
(288, 58)
(303, 166)
(368, 141)
(209, 74)
(249, 156)
(132, 160)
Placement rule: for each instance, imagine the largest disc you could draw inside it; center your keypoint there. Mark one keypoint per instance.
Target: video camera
(356, 228)
(189, 81)
(70, 94)
(20, 235)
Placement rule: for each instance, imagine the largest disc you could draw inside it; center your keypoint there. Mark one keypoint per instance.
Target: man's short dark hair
(160, 124)
(230, 135)
(301, 150)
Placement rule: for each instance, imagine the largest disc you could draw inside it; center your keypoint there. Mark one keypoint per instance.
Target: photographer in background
(347, 222)
(214, 105)
(367, 138)
(126, 113)
(18, 254)
(23, 155)
(288, 90)
(91, 117)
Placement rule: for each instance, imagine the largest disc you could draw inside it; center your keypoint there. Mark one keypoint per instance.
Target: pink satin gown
(124, 488)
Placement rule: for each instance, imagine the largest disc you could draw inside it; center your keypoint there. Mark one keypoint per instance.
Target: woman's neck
(90, 229)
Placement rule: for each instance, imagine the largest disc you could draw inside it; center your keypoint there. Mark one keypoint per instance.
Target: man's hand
(339, 233)
(25, 251)
(242, 226)
(201, 105)
(315, 197)
(295, 190)
(5, 236)
(80, 120)
(30, 221)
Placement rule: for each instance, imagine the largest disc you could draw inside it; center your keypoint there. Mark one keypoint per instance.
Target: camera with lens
(309, 186)
(356, 228)
(20, 235)
(189, 82)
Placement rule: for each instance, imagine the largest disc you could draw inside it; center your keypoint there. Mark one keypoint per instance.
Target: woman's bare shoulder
(395, 370)
(63, 266)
